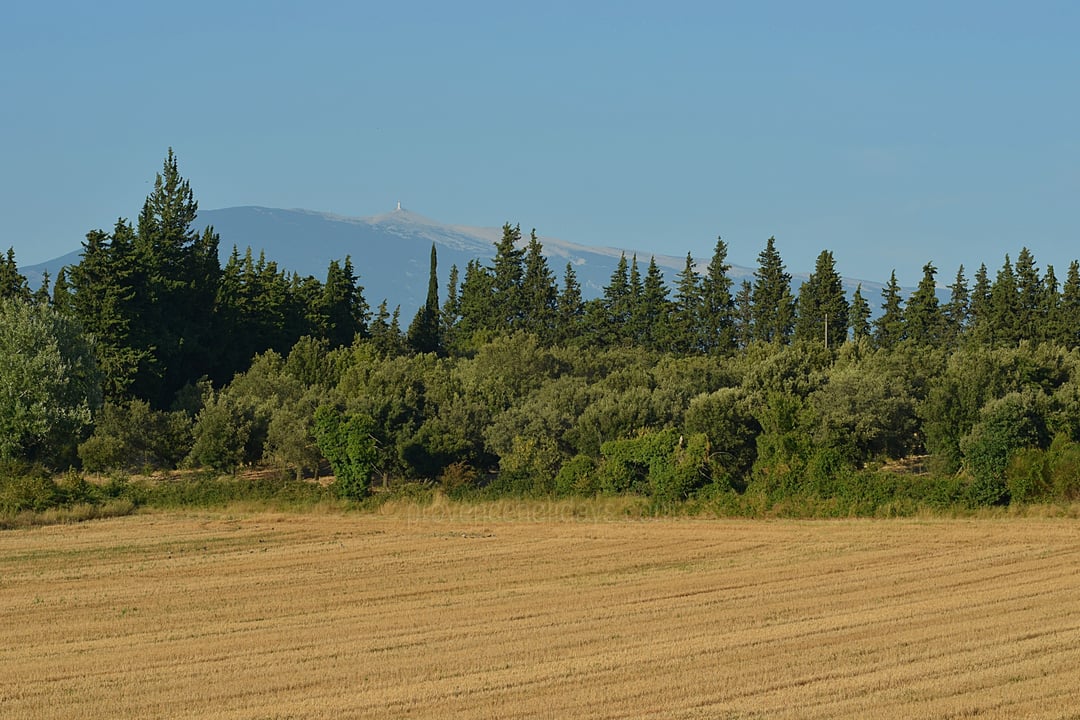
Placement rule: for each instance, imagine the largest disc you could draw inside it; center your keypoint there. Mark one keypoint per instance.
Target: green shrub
(577, 476)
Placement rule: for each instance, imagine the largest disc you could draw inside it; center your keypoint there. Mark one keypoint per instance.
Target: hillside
(390, 251)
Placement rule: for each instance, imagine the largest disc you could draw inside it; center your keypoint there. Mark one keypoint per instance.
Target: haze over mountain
(390, 252)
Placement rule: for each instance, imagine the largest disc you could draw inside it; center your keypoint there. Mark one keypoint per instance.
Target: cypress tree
(423, 335)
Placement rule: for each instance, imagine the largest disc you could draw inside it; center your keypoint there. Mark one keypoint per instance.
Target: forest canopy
(149, 354)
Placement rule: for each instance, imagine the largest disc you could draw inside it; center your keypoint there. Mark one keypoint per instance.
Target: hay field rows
(367, 616)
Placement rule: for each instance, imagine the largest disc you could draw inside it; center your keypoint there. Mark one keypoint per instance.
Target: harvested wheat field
(343, 616)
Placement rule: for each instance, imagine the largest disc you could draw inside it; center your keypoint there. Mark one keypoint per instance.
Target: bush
(347, 442)
(577, 476)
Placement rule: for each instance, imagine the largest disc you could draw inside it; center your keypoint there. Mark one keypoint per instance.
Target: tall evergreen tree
(889, 327)
(717, 321)
(1068, 325)
(12, 283)
(685, 330)
(654, 310)
(571, 307)
(451, 309)
(343, 305)
(424, 334)
(105, 303)
(980, 327)
(860, 315)
(507, 271)
(954, 316)
(773, 303)
(922, 318)
(539, 294)
(1005, 307)
(822, 304)
(744, 315)
(176, 283)
(477, 301)
(1048, 312)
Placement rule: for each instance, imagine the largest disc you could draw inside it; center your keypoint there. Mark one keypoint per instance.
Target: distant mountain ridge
(390, 252)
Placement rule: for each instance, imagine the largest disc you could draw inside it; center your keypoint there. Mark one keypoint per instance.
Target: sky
(892, 134)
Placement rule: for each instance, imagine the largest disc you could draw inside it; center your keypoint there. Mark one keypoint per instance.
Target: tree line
(149, 354)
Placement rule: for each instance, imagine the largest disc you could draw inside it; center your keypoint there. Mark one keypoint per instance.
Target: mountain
(390, 252)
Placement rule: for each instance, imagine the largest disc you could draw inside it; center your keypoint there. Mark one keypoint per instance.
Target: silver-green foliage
(49, 383)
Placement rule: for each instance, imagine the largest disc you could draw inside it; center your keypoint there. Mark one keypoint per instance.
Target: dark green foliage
(425, 331)
(923, 321)
(346, 441)
(889, 326)
(717, 311)
(13, 284)
(1013, 422)
(665, 465)
(726, 417)
(133, 437)
(859, 316)
(773, 305)
(822, 305)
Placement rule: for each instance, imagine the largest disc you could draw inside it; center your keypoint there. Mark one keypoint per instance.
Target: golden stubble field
(343, 616)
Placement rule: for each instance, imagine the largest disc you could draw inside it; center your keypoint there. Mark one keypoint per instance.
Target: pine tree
(507, 272)
(424, 332)
(717, 311)
(1005, 307)
(860, 315)
(1030, 297)
(342, 305)
(922, 319)
(822, 304)
(477, 301)
(1068, 326)
(773, 303)
(954, 316)
(980, 327)
(654, 310)
(744, 315)
(617, 304)
(176, 281)
(539, 295)
(451, 309)
(1049, 310)
(571, 307)
(12, 283)
(105, 303)
(889, 327)
(686, 312)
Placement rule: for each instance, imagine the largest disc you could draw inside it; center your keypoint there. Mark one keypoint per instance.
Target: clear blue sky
(890, 133)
